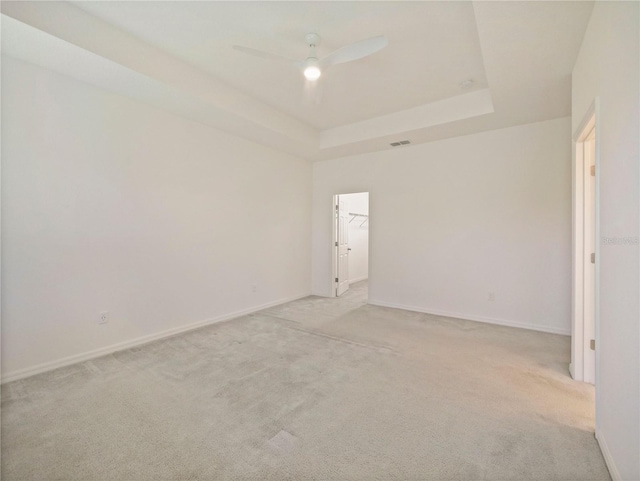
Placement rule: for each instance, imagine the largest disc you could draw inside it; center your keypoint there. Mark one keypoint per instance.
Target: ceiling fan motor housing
(312, 39)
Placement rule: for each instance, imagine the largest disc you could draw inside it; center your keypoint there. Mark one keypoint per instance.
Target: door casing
(586, 239)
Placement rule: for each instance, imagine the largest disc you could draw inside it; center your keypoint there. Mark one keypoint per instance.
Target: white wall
(109, 204)
(358, 203)
(608, 67)
(456, 219)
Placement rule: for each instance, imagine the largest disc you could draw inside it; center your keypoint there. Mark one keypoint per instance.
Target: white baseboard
(358, 279)
(467, 317)
(103, 351)
(608, 459)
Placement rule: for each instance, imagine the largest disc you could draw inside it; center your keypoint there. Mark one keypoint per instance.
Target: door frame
(334, 238)
(580, 293)
(334, 251)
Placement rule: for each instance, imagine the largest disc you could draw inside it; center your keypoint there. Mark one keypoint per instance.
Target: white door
(342, 230)
(589, 264)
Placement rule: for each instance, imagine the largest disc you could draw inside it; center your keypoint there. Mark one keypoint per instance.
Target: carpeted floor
(323, 389)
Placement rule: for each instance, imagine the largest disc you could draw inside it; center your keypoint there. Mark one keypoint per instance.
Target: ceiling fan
(312, 67)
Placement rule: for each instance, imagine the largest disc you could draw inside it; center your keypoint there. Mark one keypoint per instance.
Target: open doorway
(351, 244)
(584, 329)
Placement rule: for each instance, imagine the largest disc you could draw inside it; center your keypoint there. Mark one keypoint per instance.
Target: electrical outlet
(492, 296)
(103, 317)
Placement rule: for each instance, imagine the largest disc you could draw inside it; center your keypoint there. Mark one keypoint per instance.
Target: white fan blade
(268, 55)
(355, 51)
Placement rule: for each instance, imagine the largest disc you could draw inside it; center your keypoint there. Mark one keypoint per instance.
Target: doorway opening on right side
(585, 319)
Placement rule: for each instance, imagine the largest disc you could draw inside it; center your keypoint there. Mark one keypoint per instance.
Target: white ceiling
(433, 47)
(519, 55)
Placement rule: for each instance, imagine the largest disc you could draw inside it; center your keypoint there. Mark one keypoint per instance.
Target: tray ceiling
(519, 56)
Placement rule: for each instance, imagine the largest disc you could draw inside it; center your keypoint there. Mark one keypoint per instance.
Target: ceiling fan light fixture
(312, 66)
(312, 72)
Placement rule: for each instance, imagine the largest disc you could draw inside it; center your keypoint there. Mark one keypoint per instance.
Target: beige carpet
(319, 389)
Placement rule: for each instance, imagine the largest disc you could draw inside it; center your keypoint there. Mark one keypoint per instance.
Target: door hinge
(593, 257)
(336, 243)
(592, 344)
(336, 279)
(593, 170)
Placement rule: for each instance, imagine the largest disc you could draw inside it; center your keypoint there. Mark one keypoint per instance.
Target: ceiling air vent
(398, 144)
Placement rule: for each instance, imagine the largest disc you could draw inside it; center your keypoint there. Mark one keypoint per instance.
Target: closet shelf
(366, 217)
